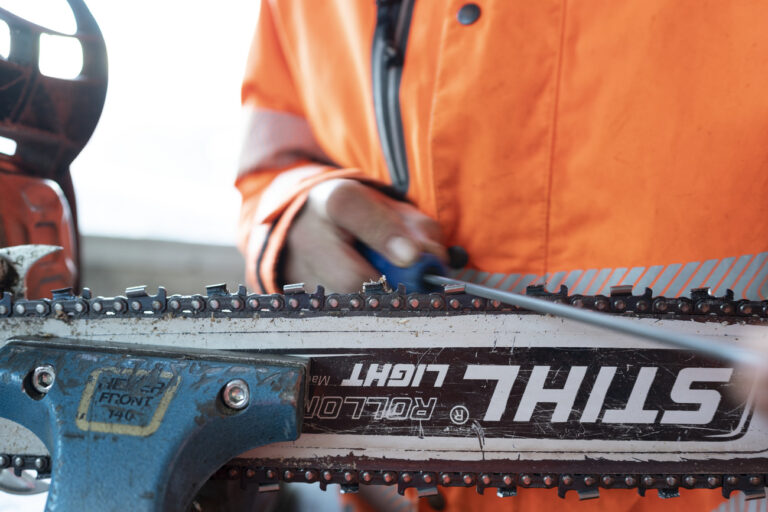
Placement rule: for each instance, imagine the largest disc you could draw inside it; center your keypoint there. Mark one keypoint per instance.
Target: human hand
(319, 248)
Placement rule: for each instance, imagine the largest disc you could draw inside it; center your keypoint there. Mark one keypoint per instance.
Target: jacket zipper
(393, 21)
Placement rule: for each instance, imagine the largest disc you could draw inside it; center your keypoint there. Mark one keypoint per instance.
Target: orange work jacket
(589, 144)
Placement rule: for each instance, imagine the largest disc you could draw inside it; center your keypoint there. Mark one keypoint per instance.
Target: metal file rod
(716, 349)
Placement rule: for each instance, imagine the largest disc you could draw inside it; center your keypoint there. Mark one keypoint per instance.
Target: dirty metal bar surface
(722, 351)
(137, 429)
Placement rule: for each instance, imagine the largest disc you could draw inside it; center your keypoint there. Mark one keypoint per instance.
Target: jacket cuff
(269, 232)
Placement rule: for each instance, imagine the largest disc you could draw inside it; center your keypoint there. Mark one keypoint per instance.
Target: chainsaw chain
(506, 484)
(378, 298)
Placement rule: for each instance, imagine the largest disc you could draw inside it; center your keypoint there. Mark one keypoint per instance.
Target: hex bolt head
(43, 378)
(236, 394)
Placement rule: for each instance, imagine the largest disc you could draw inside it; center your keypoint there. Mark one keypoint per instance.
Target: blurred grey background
(110, 265)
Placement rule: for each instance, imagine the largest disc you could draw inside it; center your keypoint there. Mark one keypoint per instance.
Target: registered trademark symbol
(459, 414)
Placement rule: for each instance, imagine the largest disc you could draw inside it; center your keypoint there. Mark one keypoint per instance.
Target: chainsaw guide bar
(447, 389)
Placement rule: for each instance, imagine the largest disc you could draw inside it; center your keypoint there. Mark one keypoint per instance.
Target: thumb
(368, 216)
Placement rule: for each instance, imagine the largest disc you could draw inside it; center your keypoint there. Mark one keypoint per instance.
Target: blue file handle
(411, 277)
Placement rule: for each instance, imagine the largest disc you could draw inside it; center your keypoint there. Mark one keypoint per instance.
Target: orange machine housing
(34, 210)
